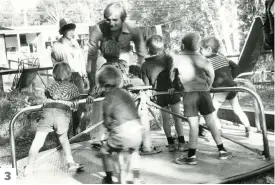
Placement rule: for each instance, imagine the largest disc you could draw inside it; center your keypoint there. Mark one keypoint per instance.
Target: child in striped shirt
(225, 72)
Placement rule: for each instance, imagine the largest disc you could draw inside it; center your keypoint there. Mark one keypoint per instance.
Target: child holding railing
(196, 74)
(121, 119)
(156, 72)
(225, 72)
(56, 116)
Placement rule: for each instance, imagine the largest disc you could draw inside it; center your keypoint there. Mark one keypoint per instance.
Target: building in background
(34, 42)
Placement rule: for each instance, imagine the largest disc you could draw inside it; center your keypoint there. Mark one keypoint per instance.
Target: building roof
(81, 27)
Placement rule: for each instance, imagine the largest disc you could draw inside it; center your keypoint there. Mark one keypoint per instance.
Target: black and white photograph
(137, 91)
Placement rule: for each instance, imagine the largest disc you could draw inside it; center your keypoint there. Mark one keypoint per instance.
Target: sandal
(154, 150)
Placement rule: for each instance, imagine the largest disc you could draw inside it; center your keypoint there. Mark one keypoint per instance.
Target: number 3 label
(7, 176)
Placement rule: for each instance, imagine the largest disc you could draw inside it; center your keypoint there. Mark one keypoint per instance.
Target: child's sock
(108, 177)
(170, 140)
(181, 139)
(191, 152)
(221, 148)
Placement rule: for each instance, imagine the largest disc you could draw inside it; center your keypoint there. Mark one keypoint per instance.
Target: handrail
(262, 120)
(13, 71)
(12, 122)
(266, 152)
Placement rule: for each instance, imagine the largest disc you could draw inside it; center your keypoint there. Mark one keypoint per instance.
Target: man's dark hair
(135, 70)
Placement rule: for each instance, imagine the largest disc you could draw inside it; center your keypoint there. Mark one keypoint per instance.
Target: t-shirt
(225, 71)
(155, 71)
(62, 90)
(118, 108)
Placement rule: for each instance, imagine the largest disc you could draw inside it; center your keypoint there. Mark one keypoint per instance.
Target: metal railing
(262, 120)
(26, 110)
(258, 111)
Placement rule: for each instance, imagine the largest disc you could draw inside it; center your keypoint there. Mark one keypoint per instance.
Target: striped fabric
(219, 62)
(62, 91)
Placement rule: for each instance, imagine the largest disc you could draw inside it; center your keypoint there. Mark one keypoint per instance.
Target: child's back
(62, 90)
(195, 71)
(151, 69)
(120, 106)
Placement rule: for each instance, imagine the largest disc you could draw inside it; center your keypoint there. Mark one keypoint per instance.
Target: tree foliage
(229, 20)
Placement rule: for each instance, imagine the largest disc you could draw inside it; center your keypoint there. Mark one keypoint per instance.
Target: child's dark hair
(212, 42)
(110, 48)
(135, 70)
(62, 71)
(191, 41)
(155, 44)
(109, 75)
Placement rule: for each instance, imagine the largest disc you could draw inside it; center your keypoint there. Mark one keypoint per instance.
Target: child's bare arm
(106, 113)
(209, 70)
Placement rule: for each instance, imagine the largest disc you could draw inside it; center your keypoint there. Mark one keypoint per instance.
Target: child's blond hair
(62, 72)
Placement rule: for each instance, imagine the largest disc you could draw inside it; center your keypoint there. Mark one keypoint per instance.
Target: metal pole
(266, 152)
(256, 107)
(12, 122)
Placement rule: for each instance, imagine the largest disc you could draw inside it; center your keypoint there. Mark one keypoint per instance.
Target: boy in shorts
(122, 121)
(156, 72)
(56, 116)
(196, 75)
(225, 72)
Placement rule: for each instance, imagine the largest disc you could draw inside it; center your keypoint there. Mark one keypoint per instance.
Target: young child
(56, 116)
(196, 75)
(111, 52)
(225, 71)
(156, 72)
(121, 119)
(135, 75)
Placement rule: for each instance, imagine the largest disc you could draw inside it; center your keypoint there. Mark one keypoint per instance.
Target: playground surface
(160, 168)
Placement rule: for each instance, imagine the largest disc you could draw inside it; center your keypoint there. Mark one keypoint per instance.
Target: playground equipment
(158, 168)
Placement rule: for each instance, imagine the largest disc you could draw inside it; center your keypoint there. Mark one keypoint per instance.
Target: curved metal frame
(257, 98)
(36, 108)
(266, 152)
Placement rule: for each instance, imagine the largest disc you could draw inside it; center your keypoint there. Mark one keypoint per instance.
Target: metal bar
(237, 55)
(12, 122)
(13, 71)
(266, 152)
(165, 110)
(71, 139)
(256, 107)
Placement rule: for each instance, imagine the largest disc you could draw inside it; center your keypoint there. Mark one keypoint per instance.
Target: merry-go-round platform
(160, 168)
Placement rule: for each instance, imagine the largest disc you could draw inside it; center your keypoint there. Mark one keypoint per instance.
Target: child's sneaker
(172, 147)
(187, 160)
(224, 154)
(182, 147)
(72, 167)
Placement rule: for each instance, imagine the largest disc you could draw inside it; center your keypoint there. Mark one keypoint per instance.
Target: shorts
(222, 97)
(197, 102)
(54, 119)
(165, 100)
(126, 136)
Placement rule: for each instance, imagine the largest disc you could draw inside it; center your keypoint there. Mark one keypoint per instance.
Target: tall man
(114, 27)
